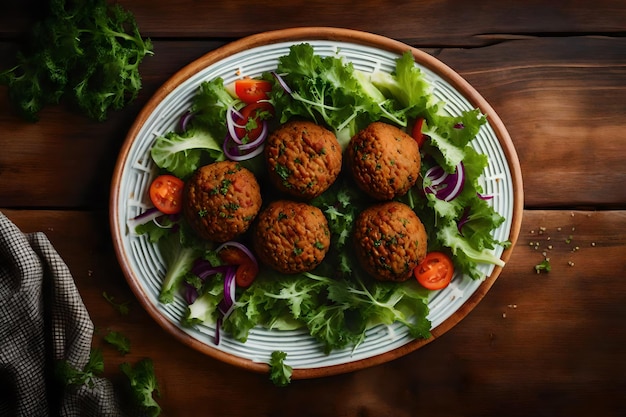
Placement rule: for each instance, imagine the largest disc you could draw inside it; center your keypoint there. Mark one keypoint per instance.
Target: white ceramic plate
(143, 264)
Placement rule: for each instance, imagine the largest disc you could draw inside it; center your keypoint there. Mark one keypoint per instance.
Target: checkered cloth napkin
(43, 320)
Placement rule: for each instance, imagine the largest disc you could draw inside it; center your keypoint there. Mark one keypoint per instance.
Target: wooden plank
(567, 90)
(440, 23)
(562, 102)
(536, 341)
(66, 160)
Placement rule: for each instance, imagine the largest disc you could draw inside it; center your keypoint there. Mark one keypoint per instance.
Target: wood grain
(550, 338)
(560, 100)
(548, 344)
(430, 23)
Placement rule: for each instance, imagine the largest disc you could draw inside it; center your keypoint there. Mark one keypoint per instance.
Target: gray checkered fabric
(42, 320)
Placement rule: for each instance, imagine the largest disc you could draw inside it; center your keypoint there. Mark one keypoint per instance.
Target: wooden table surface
(549, 344)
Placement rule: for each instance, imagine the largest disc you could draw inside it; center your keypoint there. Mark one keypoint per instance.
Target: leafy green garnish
(335, 311)
(280, 373)
(88, 52)
(449, 137)
(473, 244)
(181, 153)
(210, 105)
(179, 256)
(143, 385)
(119, 341)
(70, 376)
(328, 91)
(121, 307)
(407, 85)
(543, 266)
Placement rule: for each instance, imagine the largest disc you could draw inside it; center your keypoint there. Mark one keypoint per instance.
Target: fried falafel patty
(221, 200)
(290, 236)
(390, 241)
(384, 161)
(303, 158)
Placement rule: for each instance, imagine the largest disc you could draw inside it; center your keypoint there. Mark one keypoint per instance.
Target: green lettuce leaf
(280, 372)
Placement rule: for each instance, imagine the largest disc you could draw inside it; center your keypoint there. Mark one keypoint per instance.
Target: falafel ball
(384, 161)
(291, 236)
(221, 200)
(303, 159)
(390, 241)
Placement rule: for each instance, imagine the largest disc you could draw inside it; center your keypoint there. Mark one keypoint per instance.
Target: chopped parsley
(282, 171)
(543, 266)
(119, 341)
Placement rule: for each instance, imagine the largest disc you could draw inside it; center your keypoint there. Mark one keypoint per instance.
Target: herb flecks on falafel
(303, 158)
(390, 241)
(221, 200)
(384, 161)
(291, 237)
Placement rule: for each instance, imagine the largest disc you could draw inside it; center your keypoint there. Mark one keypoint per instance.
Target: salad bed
(336, 302)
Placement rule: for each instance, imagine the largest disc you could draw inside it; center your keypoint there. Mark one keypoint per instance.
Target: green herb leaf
(280, 373)
(543, 266)
(86, 52)
(119, 341)
(70, 376)
(143, 385)
(122, 307)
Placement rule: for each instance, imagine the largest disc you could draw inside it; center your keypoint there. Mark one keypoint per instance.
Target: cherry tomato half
(166, 193)
(435, 271)
(246, 271)
(416, 132)
(246, 274)
(250, 90)
(253, 115)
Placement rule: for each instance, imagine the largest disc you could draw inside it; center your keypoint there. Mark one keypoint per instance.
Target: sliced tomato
(166, 193)
(250, 90)
(246, 274)
(247, 269)
(416, 132)
(253, 115)
(435, 271)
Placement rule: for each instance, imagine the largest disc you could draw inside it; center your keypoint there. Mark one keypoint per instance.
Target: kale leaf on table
(85, 52)
(68, 375)
(143, 385)
(118, 340)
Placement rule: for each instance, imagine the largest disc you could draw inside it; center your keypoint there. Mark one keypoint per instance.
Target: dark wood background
(541, 345)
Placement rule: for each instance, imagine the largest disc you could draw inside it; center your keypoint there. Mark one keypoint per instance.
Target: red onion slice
(443, 185)
(282, 83)
(458, 183)
(190, 294)
(463, 220)
(184, 120)
(436, 175)
(147, 216)
(232, 117)
(227, 305)
(233, 151)
(204, 271)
